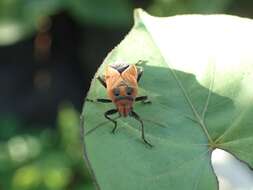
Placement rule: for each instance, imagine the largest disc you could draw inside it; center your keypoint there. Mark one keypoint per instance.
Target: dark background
(49, 52)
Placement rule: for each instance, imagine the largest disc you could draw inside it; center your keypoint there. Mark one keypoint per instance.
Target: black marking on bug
(116, 91)
(120, 67)
(129, 90)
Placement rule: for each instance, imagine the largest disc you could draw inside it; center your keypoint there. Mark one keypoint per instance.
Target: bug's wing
(112, 77)
(130, 75)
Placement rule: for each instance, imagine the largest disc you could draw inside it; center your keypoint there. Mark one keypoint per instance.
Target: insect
(121, 83)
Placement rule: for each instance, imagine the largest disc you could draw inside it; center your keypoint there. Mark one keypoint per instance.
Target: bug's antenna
(137, 117)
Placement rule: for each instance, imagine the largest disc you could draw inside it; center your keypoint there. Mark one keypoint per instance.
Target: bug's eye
(129, 91)
(116, 92)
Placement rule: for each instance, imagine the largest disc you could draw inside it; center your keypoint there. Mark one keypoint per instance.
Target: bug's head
(123, 98)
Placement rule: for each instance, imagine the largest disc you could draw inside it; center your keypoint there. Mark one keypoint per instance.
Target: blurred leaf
(57, 178)
(18, 149)
(50, 172)
(172, 7)
(23, 148)
(12, 31)
(27, 177)
(56, 170)
(20, 18)
(9, 125)
(110, 13)
(33, 158)
(89, 187)
(199, 78)
(68, 122)
(5, 160)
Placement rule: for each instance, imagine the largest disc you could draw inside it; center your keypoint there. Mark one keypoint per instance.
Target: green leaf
(99, 12)
(166, 8)
(198, 77)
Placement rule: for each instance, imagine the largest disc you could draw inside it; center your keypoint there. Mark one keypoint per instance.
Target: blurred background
(49, 51)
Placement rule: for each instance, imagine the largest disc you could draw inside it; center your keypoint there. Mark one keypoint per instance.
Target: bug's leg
(102, 100)
(143, 99)
(111, 112)
(137, 117)
(139, 69)
(101, 80)
(140, 72)
(141, 62)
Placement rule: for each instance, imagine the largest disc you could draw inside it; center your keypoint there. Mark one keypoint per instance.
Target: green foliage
(43, 159)
(172, 7)
(110, 13)
(20, 18)
(198, 77)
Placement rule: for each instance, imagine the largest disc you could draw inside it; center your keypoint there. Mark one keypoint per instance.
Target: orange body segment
(122, 86)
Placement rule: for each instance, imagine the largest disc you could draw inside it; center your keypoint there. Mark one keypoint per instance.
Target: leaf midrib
(198, 117)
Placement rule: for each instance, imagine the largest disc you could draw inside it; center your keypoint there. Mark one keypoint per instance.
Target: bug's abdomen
(124, 107)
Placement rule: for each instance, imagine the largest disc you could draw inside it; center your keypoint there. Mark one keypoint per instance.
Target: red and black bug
(121, 82)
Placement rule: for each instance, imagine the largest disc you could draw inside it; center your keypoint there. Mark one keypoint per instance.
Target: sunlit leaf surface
(199, 78)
